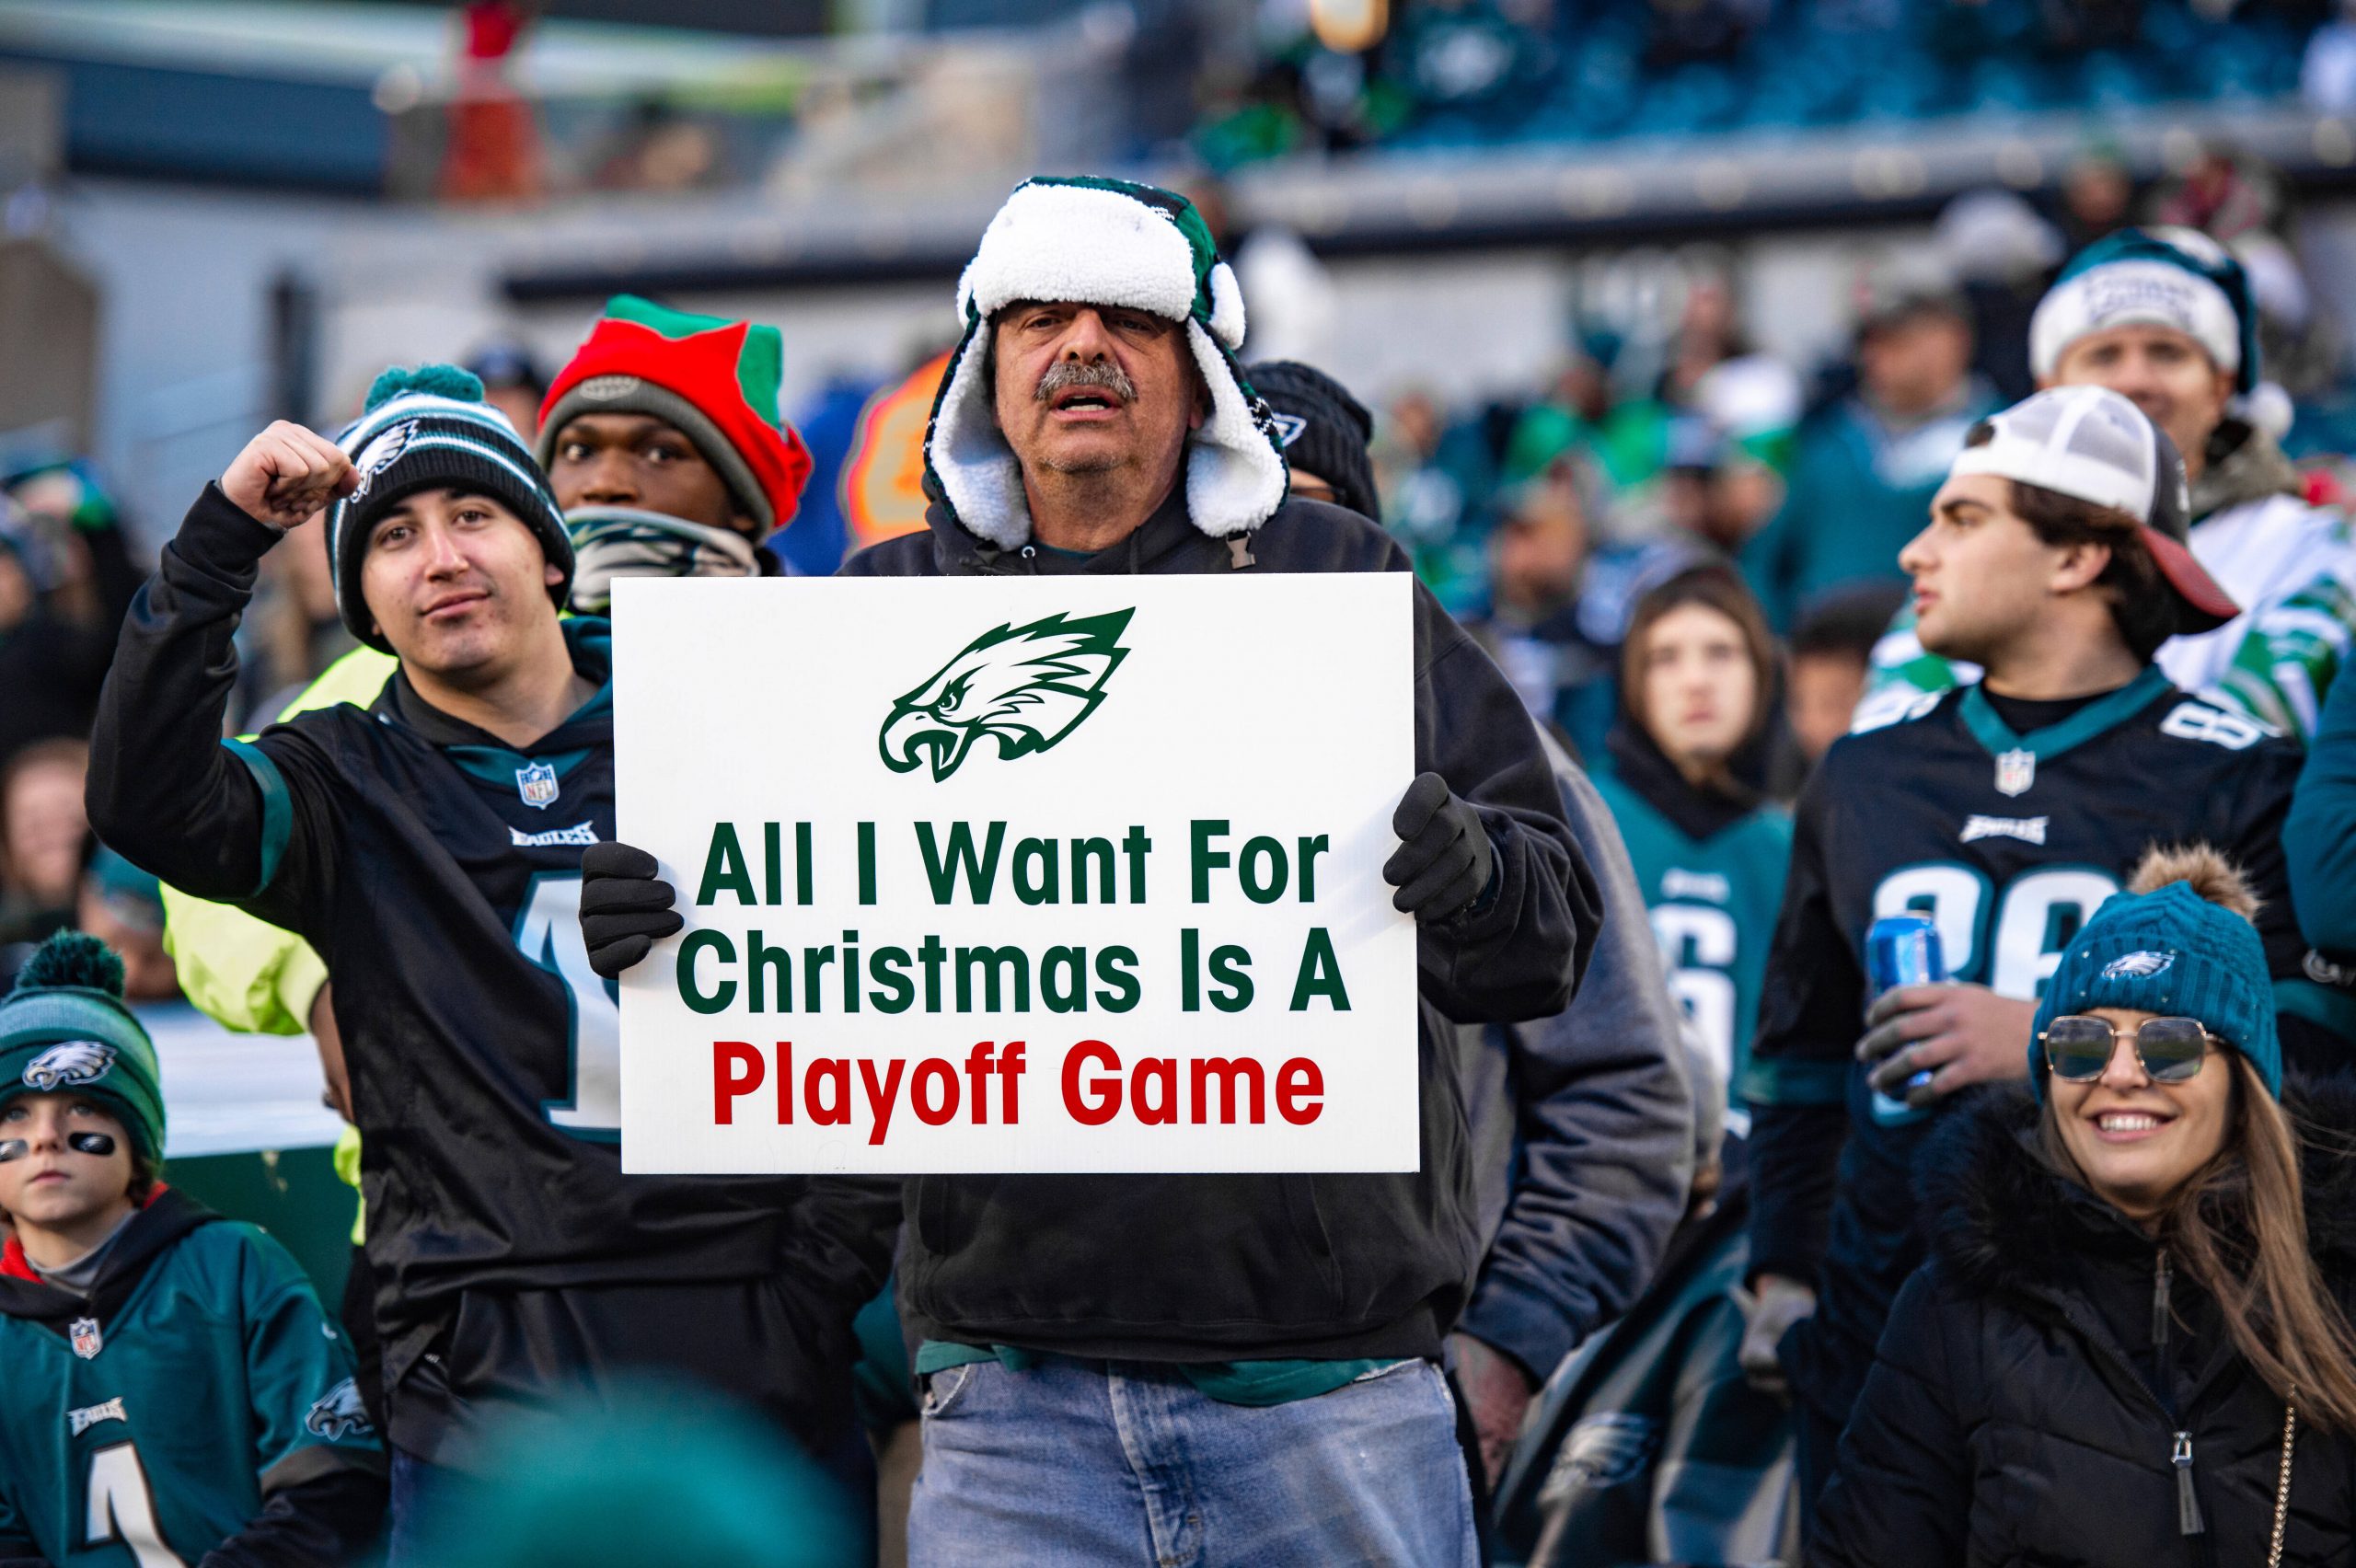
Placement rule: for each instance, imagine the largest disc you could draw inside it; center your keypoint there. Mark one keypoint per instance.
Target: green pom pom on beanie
(73, 958)
(440, 380)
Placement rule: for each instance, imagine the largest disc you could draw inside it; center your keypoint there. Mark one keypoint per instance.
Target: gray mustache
(1065, 375)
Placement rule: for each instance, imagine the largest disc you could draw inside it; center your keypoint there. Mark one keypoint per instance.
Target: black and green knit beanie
(64, 1029)
(425, 429)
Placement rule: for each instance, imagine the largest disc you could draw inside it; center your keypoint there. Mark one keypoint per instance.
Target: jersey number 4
(2017, 952)
(122, 1508)
(548, 932)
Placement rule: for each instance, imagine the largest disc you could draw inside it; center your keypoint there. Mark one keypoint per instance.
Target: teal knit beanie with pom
(428, 429)
(64, 1030)
(2173, 952)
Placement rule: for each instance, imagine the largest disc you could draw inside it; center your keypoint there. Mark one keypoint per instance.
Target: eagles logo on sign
(2015, 771)
(537, 785)
(339, 1413)
(1025, 686)
(83, 1334)
(2136, 965)
(68, 1063)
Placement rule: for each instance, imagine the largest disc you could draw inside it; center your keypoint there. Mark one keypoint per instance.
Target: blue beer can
(1902, 949)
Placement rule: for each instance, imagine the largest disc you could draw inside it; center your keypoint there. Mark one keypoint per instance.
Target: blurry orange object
(883, 484)
(492, 152)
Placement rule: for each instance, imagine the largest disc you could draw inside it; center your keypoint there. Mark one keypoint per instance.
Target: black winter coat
(2031, 1404)
(1187, 1267)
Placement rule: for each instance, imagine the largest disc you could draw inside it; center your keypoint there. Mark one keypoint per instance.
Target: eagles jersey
(1713, 903)
(144, 1425)
(2008, 842)
(436, 870)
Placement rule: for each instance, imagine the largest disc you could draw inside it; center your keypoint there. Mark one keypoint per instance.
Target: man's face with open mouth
(1083, 388)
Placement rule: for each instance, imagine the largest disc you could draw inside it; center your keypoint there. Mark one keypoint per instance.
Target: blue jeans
(414, 1480)
(1072, 1463)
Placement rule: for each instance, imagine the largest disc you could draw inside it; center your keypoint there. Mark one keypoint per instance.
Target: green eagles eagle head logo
(1027, 686)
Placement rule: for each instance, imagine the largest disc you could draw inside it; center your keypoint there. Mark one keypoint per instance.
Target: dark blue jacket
(1582, 1128)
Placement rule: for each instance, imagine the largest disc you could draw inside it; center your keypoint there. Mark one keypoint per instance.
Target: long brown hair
(1715, 587)
(2239, 1224)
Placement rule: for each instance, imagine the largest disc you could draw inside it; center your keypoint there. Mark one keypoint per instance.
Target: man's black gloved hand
(1444, 861)
(624, 905)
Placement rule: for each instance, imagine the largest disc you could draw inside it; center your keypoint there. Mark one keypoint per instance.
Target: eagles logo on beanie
(2177, 278)
(65, 1028)
(713, 380)
(1323, 428)
(428, 429)
(2174, 943)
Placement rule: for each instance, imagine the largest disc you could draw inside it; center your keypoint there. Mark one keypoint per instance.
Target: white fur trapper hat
(1104, 242)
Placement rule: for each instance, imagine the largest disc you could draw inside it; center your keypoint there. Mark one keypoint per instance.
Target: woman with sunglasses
(2131, 1343)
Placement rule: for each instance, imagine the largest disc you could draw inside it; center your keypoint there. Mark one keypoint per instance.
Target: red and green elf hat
(713, 379)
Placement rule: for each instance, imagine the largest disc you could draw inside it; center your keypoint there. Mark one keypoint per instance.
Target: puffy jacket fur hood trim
(2005, 1223)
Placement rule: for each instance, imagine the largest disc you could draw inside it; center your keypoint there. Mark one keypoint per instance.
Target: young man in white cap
(1229, 1368)
(2165, 318)
(2007, 812)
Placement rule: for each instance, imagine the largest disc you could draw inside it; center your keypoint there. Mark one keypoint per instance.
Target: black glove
(1444, 861)
(624, 905)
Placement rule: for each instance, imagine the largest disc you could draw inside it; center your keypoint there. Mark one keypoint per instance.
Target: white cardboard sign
(1019, 874)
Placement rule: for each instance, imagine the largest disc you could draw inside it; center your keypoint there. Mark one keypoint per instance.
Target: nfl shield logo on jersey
(537, 784)
(2015, 771)
(83, 1333)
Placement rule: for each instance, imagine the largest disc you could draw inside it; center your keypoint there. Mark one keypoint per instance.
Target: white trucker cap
(2093, 444)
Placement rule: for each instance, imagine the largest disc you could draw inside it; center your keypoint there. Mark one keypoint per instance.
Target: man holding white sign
(1181, 1365)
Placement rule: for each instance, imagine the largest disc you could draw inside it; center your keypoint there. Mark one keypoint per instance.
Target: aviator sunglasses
(2079, 1047)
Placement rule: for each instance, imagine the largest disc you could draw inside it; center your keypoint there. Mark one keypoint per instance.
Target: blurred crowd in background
(1664, 438)
(1460, 72)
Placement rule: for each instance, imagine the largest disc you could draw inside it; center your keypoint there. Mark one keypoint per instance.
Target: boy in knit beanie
(172, 1387)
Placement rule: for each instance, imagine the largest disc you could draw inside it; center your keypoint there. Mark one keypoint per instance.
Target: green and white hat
(64, 1029)
(1104, 242)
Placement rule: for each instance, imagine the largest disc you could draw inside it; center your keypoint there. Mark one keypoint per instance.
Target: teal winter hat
(2176, 945)
(2162, 277)
(65, 1027)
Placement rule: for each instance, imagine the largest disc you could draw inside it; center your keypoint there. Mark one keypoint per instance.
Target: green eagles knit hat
(425, 429)
(1103, 242)
(64, 1028)
(2173, 952)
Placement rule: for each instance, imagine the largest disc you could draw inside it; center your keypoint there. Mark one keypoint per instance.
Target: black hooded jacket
(2032, 1404)
(1231, 1267)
